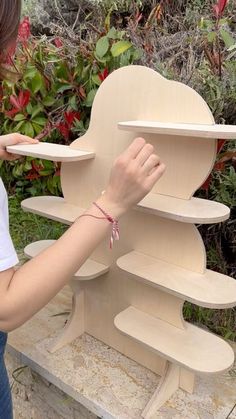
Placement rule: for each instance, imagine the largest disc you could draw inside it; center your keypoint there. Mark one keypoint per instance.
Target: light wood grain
(49, 151)
(89, 270)
(192, 348)
(226, 132)
(211, 289)
(52, 207)
(194, 210)
(168, 385)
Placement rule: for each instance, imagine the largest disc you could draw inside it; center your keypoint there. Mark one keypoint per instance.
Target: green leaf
(28, 129)
(37, 83)
(96, 80)
(29, 108)
(49, 101)
(227, 38)
(19, 117)
(36, 110)
(120, 47)
(64, 87)
(112, 34)
(30, 72)
(89, 99)
(102, 46)
(211, 36)
(40, 120)
(45, 172)
(18, 126)
(73, 103)
(37, 128)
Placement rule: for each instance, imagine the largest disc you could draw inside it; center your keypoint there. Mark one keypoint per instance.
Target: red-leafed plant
(53, 94)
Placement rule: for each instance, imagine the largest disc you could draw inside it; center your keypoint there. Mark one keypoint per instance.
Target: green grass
(26, 228)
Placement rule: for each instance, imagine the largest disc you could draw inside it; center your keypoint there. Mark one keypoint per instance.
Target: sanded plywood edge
(214, 131)
(50, 151)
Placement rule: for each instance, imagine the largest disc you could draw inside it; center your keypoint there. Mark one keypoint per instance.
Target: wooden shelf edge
(214, 131)
(193, 211)
(50, 151)
(88, 271)
(192, 348)
(52, 207)
(206, 290)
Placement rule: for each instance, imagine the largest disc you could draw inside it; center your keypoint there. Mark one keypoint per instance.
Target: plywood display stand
(132, 297)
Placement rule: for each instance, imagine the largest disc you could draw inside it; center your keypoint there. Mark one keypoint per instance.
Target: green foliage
(52, 97)
(26, 228)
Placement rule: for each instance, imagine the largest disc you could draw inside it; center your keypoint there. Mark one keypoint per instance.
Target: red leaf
(36, 167)
(24, 30)
(64, 130)
(15, 102)
(206, 184)
(103, 75)
(11, 113)
(32, 175)
(70, 117)
(219, 8)
(24, 98)
(58, 42)
(219, 166)
(220, 145)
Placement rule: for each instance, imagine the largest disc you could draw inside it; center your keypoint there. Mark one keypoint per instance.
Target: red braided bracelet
(115, 233)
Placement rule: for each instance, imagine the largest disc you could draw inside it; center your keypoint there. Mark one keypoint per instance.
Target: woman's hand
(13, 139)
(133, 175)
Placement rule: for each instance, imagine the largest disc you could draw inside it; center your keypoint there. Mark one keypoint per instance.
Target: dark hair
(10, 11)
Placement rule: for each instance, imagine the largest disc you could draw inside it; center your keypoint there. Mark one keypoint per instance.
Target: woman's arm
(27, 290)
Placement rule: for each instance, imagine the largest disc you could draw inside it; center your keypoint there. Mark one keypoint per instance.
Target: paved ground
(88, 379)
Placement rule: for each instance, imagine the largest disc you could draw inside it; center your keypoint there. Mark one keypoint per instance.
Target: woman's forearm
(26, 291)
(34, 284)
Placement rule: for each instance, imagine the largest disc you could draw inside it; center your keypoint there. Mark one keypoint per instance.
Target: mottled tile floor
(107, 383)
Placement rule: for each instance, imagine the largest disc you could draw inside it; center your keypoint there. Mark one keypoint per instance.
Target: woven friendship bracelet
(115, 233)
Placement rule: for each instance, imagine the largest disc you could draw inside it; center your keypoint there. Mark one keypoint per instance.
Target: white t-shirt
(8, 256)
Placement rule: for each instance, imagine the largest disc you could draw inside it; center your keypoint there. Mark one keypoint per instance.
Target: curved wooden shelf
(52, 207)
(212, 289)
(89, 270)
(194, 210)
(54, 152)
(226, 132)
(192, 348)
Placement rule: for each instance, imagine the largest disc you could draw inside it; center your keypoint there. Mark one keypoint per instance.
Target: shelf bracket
(168, 385)
(75, 326)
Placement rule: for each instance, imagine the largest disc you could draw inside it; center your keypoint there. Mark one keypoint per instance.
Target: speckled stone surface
(107, 383)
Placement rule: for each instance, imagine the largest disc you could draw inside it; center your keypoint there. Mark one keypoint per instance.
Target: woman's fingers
(134, 149)
(144, 154)
(154, 176)
(151, 162)
(23, 139)
(15, 138)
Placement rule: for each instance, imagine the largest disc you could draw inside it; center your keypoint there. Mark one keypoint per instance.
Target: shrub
(50, 96)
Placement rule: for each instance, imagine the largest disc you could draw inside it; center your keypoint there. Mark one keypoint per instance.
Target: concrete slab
(107, 383)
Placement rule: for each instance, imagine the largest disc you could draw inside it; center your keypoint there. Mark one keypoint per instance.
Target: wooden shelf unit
(49, 151)
(192, 348)
(212, 289)
(226, 132)
(156, 335)
(89, 270)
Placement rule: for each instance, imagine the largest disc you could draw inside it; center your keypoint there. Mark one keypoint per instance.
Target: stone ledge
(106, 383)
